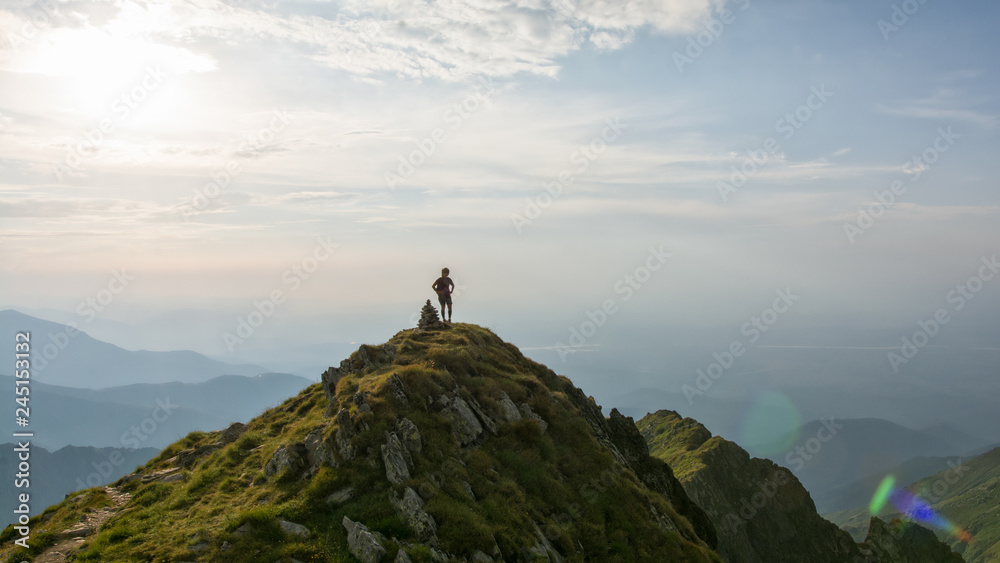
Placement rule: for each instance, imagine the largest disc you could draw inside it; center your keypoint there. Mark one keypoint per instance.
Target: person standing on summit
(443, 286)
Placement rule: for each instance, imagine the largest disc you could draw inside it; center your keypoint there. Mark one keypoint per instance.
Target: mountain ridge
(66, 355)
(439, 445)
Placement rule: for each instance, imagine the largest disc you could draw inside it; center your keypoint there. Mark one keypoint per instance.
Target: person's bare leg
(449, 312)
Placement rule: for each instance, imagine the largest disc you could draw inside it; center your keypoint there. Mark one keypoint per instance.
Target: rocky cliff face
(761, 512)
(905, 541)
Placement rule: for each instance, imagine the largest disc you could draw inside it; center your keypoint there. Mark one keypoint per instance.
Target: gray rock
(173, 478)
(544, 548)
(362, 542)
(409, 435)
(187, 458)
(341, 496)
(467, 488)
(230, 434)
(329, 380)
(480, 557)
(529, 414)
(244, 530)
(397, 460)
(226, 546)
(464, 423)
(397, 389)
(411, 506)
(293, 529)
(402, 557)
(78, 531)
(508, 410)
(483, 417)
(290, 457)
(318, 451)
(345, 431)
(366, 357)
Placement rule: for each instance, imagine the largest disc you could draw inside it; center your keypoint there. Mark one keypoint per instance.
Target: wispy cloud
(945, 104)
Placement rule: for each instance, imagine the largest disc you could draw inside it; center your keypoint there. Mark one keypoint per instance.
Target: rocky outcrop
(898, 541)
(760, 510)
(288, 458)
(231, 433)
(620, 435)
(318, 452)
(345, 431)
(507, 409)
(409, 435)
(365, 358)
(464, 424)
(527, 413)
(411, 507)
(397, 460)
(364, 544)
(293, 529)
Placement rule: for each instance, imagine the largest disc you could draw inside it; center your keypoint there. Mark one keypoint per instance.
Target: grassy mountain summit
(437, 445)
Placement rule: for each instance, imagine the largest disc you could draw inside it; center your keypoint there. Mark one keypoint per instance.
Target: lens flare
(913, 507)
(881, 495)
(771, 426)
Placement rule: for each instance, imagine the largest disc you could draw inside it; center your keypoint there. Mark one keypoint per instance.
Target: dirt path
(70, 539)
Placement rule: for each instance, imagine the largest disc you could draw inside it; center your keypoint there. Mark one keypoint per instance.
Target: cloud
(945, 104)
(448, 40)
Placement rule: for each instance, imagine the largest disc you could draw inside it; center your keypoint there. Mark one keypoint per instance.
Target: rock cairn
(429, 319)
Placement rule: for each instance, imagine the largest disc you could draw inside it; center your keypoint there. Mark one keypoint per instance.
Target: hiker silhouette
(443, 286)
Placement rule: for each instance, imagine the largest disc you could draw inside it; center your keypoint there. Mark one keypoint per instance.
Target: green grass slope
(967, 495)
(557, 481)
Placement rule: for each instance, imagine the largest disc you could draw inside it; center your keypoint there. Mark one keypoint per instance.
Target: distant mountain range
(54, 474)
(149, 415)
(62, 355)
(830, 457)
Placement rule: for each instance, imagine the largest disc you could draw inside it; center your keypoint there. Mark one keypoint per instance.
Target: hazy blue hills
(64, 356)
(830, 458)
(149, 415)
(53, 474)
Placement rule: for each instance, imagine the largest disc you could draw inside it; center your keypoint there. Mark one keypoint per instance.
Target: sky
(187, 167)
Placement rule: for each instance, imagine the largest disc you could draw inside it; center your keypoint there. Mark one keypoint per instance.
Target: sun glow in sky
(752, 135)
